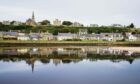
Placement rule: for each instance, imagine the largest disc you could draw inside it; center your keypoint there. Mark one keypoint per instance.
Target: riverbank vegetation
(67, 29)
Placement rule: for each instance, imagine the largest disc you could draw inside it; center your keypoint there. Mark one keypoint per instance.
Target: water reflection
(69, 65)
(65, 55)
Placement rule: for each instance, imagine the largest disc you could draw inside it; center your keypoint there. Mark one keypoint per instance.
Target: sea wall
(66, 44)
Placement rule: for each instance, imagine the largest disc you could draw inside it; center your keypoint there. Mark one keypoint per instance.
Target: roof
(34, 36)
(10, 33)
(66, 34)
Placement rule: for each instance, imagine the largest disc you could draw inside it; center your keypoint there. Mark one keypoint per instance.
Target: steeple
(33, 16)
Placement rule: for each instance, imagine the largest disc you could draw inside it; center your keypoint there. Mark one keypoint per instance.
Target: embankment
(36, 44)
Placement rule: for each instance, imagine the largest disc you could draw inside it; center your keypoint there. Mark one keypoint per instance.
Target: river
(69, 65)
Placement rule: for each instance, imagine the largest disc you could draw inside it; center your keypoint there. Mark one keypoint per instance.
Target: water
(68, 65)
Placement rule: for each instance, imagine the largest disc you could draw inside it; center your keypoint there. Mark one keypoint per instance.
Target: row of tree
(64, 23)
(67, 29)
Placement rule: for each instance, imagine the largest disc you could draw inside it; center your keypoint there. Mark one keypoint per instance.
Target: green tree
(45, 22)
(131, 25)
(0, 23)
(90, 31)
(67, 23)
(55, 32)
(12, 22)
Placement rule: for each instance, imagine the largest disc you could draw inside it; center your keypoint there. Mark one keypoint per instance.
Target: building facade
(31, 21)
(57, 22)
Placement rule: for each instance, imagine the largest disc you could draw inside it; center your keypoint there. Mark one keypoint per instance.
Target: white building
(24, 37)
(34, 36)
(116, 25)
(6, 22)
(94, 25)
(83, 31)
(132, 38)
(107, 39)
(65, 36)
(57, 22)
(77, 24)
(16, 23)
(46, 36)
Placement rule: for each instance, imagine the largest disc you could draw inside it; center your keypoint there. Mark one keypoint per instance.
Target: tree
(55, 32)
(0, 23)
(124, 36)
(12, 22)
(67, 23)
(45, 22)
(131, 25)
(90, 31)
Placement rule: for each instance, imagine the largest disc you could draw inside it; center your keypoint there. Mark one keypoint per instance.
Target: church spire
(33, 16)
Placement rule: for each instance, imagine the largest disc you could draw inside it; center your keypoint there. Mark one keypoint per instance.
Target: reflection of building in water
(67, 51)
(128, 53)
(31, 62)
(22, 51)
(58, 56)
(9, 52)
(46, 51)
(81, 52)
(34, 51)
(108, 51)
(56, 61)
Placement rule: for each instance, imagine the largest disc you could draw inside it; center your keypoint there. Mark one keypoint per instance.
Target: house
(1, 35)
(117, 36)
(24, 37)
(34, 36)
(46, 36)
(137, 36)
(96, 37)
(64, 36)
(83, 31)
(10, 35)
(107, 39)
(130, 37)
(112, 36)
(89, 37)
(106, 36)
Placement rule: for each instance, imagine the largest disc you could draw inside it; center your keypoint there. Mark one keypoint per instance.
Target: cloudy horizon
(102, 12)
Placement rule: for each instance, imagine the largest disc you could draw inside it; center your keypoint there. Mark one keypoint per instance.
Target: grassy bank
(6, 43)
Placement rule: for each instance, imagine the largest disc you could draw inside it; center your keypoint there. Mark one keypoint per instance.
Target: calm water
(73, 65)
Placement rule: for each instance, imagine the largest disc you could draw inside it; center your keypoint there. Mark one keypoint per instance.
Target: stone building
(31, 21)
(57, 22)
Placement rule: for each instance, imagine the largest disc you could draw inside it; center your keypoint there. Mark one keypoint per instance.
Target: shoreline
(45, 44)
(132, 49)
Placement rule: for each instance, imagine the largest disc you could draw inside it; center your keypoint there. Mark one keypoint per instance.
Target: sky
(102, 12)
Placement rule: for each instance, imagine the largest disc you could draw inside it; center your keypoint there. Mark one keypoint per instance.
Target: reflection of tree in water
(66, 61)
(131, 61)
(44, 61)
(65, 55)
(66, 58)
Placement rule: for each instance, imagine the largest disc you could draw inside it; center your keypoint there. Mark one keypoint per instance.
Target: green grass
(85, 41)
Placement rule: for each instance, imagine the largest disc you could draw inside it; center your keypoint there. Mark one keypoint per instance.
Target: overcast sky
(102, 12)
